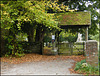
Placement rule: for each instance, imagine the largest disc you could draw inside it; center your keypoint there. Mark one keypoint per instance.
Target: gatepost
(91, 50)
(54, 48)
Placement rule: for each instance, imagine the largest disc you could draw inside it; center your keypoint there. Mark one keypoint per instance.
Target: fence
(68, 49)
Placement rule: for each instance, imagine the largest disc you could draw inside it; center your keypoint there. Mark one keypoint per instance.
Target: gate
(71, 49)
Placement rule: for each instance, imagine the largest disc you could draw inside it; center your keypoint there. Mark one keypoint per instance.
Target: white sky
(98, 10)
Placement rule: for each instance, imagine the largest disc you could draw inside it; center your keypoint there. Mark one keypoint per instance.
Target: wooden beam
(86, 34)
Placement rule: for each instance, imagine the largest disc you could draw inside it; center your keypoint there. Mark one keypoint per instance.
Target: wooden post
(86, 34)
(83, 49)
(71, 45)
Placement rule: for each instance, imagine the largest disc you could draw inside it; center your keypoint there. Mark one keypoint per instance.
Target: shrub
(72, 38)
(79, 65)
(83, 67)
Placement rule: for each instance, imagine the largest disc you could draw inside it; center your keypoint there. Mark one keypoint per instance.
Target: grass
(86, 69)
(49, 48)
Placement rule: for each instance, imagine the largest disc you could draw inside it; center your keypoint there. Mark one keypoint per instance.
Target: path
(54, 67)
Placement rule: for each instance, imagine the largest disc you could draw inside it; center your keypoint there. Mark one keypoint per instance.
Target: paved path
(55, 67)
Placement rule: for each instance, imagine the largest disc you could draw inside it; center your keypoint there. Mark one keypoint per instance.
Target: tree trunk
(39, 36)
(31, 35)
(38, 32)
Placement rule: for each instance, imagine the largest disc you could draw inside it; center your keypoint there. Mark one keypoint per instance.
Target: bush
(79, 64)
(83, 67)
(30, 47)
(72, 38)
(14, 50)
(27, 51)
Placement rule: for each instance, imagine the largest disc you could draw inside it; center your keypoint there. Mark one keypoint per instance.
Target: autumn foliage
(37, 57)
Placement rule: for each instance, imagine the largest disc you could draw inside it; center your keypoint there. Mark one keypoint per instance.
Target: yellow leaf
(71, 10)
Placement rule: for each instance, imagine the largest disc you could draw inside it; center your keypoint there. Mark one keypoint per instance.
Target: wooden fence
(66, 48)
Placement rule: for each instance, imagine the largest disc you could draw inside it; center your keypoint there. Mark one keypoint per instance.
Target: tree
(32, 17)
(9, 22)
(15, 15)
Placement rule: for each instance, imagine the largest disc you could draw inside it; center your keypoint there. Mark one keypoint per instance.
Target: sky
(98, 10)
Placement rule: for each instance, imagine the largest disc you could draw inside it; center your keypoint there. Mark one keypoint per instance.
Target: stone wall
(91, 50)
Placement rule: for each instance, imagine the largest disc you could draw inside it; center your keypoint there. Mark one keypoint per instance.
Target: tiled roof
(74, 18)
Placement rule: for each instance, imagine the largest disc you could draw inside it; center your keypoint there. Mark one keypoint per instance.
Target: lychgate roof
(74, 18)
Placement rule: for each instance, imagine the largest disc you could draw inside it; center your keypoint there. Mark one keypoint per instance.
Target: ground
(35, 64)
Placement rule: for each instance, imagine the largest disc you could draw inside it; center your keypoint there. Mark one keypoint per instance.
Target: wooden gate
(71, 49)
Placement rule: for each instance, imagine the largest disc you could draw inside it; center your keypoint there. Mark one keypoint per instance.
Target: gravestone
(91, 49)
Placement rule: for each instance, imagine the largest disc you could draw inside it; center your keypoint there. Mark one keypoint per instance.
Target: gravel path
(54, 67)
